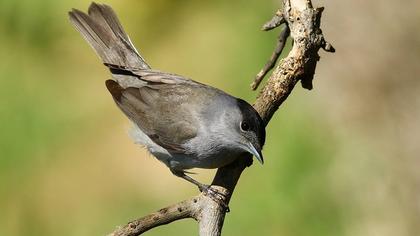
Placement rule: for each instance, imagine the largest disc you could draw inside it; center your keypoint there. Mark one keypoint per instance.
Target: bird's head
(251, 130)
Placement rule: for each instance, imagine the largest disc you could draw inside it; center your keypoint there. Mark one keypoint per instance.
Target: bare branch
(303, 21)
(328, 47)
(275, 22)
(186, 209)
(284, 34)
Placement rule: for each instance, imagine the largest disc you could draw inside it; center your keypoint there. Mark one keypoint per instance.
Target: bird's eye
(244, 126)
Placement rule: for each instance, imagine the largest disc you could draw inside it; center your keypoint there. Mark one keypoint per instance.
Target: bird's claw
(215, 195)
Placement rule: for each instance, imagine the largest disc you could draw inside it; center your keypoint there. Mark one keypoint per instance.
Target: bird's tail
(104, 33)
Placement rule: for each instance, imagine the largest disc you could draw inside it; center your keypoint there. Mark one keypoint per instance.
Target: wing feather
(160, 111)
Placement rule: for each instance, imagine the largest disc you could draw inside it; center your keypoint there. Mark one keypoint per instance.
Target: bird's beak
(256, 153)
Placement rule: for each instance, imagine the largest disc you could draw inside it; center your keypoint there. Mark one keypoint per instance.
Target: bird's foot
(207, 190)
(215, 195)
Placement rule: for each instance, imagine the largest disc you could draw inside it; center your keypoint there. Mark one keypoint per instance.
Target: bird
(183, 123)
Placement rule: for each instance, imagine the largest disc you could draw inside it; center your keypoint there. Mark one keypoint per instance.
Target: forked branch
(303, 23)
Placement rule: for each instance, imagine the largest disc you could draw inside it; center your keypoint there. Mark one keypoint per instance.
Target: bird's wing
(162, 108)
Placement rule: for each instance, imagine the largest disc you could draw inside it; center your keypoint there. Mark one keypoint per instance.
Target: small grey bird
(183, 123)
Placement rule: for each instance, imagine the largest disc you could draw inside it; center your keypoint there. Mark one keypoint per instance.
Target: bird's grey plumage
(185, 124)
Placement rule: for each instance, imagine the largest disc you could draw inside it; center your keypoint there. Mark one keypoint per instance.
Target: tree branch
(186, 209)
(273, 59)
(304, 24)
(275, 22)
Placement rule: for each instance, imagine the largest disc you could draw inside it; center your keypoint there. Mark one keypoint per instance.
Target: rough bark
(302, 21)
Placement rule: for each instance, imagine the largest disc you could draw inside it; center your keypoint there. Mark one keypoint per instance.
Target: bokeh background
(342, 159)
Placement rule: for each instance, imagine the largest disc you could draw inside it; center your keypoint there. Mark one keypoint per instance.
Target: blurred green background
(342, 159)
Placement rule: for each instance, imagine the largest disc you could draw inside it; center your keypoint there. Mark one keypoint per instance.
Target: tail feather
(104, 33)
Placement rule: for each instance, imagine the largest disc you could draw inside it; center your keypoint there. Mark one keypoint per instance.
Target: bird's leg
(206, 189)
(181, 174)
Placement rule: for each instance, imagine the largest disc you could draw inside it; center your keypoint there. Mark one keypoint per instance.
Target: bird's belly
(207, 160)
(157, 151)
